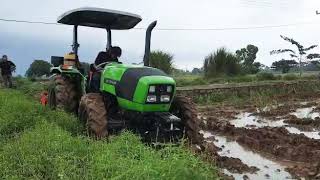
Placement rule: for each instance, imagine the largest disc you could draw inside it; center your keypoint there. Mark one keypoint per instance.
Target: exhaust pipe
(147, 43)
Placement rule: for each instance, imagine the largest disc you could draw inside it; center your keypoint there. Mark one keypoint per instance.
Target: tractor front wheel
(185, 109)
(93, 112)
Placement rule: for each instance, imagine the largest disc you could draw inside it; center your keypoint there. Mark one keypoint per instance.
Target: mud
(304, 124)
(285, 135)
(249, 165)
(231, 164)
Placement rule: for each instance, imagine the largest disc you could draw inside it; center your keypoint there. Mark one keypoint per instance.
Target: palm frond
(313, 56)
(293, 56)
(279, 51)
(292, 41)
(311, 47)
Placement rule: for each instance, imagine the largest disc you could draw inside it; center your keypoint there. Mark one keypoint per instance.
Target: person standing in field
(7, 67)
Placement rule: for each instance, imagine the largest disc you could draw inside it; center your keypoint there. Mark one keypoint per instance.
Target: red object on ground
(44, 98)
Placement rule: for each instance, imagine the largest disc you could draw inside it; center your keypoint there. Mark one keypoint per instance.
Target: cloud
(25, 42)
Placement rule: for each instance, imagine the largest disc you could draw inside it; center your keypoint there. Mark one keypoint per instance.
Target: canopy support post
(109, 42)
(75, 44)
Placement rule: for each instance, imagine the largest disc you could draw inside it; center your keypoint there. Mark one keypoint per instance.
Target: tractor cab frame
(105, 19)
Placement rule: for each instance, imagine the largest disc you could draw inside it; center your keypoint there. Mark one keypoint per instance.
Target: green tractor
(138, 98)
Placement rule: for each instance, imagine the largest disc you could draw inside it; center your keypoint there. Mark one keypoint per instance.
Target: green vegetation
(264, 76)
(162, 60)
(296, 56)
(30, 87)
(38, 68)
(247, 56)
(195, 80)
(221, 63)
(290, 77)
(38, 143)
(259, 96)
(284, 65)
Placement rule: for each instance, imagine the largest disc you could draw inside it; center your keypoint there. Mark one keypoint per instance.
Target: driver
(111, 55)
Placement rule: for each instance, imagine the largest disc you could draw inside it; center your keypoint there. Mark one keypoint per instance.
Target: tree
(221, 62)
(38, 68)
(284, 65)
(196, 71)
(161, 60)
(247, 56)
(298, 56)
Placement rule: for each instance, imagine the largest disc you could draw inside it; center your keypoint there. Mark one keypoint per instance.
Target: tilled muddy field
(279, 141)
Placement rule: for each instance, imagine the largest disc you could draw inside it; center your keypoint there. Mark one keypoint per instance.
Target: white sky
(25, 42)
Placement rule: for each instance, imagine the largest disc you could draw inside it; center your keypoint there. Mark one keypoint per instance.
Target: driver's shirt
(104, 57)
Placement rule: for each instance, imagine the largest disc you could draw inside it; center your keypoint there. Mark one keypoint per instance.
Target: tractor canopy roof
(100, 18)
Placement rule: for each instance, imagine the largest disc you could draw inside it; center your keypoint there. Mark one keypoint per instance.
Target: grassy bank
(37, 143)
(259, 96)
(194, 80)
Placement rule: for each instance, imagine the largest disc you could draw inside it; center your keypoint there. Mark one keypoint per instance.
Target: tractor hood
(131, 83)
(130, 79)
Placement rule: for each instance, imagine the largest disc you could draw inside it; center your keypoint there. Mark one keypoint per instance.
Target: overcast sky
(26, 42)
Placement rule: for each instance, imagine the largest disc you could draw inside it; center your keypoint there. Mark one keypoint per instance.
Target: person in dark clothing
(7, 67)
(111, 55)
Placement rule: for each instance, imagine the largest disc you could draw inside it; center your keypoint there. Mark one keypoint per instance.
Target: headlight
(169, 89)
(165, 98)
(152, 89)
(151, 98)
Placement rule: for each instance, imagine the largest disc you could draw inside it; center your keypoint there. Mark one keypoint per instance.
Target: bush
(240, 79)
(265, 76)
(290, 77)
(220, 63)
(162, 60)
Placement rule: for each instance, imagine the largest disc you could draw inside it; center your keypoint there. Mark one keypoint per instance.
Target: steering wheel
(99, 66)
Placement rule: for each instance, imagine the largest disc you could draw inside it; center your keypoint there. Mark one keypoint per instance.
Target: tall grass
(37, 143)
(259, 97)
(194, 80)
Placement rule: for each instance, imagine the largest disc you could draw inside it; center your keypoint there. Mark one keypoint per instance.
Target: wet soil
(285, 133)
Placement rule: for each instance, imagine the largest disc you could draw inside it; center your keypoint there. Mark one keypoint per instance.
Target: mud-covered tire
(92, 111)
(185, 109)
(63, 94)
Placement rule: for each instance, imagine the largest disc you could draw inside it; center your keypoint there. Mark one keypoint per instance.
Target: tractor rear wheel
(63, 94)
(185, 109)
(93, 112)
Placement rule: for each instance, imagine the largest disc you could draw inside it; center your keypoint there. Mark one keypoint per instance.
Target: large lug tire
(185, 109)
(93, 112)
(63, 94)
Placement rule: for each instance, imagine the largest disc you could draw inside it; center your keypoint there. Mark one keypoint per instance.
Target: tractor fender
(55, 70)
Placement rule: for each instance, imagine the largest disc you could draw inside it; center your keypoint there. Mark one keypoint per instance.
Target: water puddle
(306, 113)
(268, 168)
(312, 134)
(248, 120)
